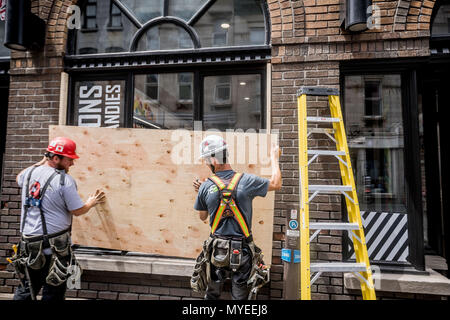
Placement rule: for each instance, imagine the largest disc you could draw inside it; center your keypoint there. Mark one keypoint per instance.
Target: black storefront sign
(99, 103)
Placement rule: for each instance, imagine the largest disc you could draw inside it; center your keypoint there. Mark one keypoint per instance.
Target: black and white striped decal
(386, 236)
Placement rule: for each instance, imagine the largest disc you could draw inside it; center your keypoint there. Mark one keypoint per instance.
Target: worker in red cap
(44, 258)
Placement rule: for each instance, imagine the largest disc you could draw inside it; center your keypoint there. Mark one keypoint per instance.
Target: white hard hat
(211, 145)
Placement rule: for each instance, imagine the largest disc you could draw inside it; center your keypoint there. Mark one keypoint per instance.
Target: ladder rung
(321, 130)
(329, 188)
(327, 152)
(338, 267)
(333, 226)
(322, 119)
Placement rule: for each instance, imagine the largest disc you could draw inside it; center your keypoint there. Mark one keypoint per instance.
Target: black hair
(221, 156)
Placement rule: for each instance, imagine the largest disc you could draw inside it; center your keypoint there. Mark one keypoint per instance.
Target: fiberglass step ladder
(361, 268)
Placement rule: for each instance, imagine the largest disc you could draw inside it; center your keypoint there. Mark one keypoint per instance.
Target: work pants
(37, 282)
(239, 278)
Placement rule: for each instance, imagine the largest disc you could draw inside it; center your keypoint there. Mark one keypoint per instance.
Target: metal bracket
(318, 91)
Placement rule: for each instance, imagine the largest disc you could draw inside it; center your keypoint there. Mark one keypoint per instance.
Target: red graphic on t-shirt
(35, 190)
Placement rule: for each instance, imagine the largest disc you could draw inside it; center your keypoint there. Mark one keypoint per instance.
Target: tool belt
(30, 253)
(201, 274)
(226, 252)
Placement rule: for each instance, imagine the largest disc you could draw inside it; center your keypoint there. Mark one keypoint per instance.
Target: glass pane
(232, 102)
(185, 9)
(232, 23)
(374, 124)
(103, 38)
(99, 103)
(166, 36)
(162, 101)
(441, 23)
(145, 10)
(4, 51)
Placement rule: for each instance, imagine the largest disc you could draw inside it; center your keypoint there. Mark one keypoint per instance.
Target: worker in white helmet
(226, 197)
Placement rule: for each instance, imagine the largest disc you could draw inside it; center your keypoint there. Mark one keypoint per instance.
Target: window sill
(433, 284)
(130, 264)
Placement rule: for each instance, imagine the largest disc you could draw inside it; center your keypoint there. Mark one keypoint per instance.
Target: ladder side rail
(305, 272)
(353, 210)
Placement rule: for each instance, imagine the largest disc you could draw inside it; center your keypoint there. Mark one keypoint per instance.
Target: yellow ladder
(362, 266)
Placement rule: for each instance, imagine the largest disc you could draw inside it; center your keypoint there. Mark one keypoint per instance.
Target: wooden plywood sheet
(147, 177)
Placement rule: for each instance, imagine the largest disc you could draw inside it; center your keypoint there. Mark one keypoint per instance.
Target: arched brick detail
(401, 14)
(287, 19)
(413, 15)
(426, 11)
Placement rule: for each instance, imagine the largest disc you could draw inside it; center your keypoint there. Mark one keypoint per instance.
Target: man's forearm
(275, 180)
(84, 209)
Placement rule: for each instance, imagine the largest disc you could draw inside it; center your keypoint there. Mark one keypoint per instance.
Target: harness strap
(229, 192)
(26, 205)
(41, 196)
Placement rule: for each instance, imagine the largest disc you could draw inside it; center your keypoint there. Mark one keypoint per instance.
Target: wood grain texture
(147, 177)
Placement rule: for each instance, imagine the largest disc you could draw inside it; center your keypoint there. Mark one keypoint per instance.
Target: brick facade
(307, 46)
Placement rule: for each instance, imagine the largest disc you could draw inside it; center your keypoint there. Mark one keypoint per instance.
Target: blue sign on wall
(286, 255)
(296, 256)
(293, 224)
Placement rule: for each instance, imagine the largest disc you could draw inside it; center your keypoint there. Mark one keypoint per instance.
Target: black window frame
(412, 168)
(199, 73)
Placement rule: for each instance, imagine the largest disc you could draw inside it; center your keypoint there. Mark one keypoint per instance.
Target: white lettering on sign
(99, 106)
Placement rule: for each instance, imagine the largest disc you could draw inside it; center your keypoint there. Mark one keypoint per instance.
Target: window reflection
(232, 102)
(165, 37)
(232, 23)
(373, 114)
(145, 10)
(185, 9)
(4, 51)
(104, 29)
(163, 101)
(441, 23)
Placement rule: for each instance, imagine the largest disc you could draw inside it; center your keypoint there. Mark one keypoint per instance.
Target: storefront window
(174, 65)
(374, 123)
(232, 102)
(163, 101)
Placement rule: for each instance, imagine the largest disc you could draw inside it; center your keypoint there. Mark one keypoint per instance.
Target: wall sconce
(354, 16)
(23, 30)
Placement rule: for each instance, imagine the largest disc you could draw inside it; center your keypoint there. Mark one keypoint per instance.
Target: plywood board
(147, 177)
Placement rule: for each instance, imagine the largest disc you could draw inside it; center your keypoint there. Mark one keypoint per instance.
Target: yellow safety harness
(228, 206)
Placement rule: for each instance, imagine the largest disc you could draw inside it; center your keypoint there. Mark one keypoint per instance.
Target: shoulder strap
(41, 197)
(217, 181)
(27, 194)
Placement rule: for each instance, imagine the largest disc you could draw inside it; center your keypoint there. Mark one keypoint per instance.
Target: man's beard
(60, 167)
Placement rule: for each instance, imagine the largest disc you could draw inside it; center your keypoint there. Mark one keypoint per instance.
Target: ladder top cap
(318, 91)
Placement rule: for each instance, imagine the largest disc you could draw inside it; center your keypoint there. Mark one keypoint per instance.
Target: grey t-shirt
(249, 187)
(57, 202)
